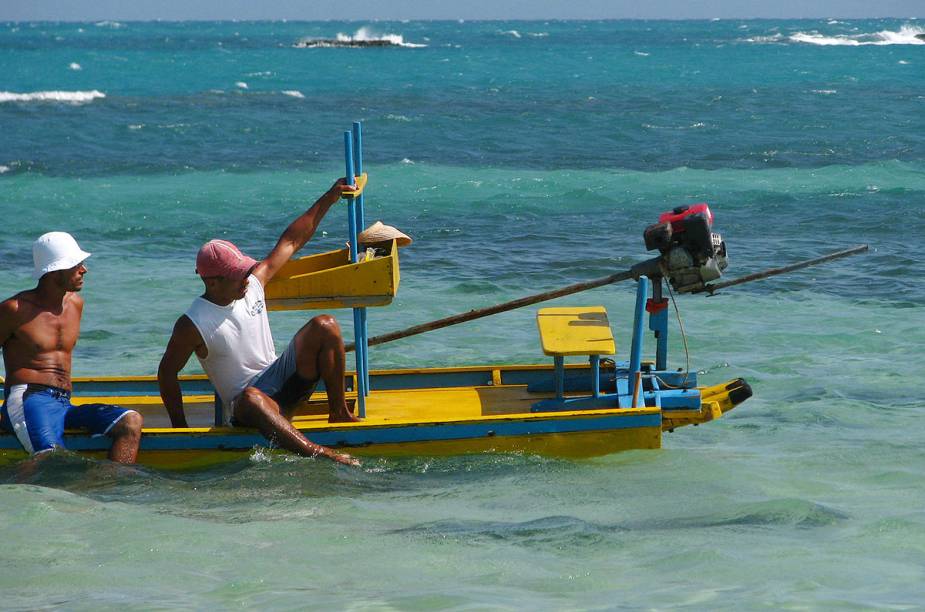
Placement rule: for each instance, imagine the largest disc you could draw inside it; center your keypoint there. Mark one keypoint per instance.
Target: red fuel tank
(677, 216)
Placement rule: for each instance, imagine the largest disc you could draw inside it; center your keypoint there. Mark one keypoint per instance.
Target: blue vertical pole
(352, 231)
(559, 362)
(642, 292)
(361, 223)
(595, 376)
(351, 208)
(658, 323)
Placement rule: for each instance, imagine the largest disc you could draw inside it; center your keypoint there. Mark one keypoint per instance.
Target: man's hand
(337, 191)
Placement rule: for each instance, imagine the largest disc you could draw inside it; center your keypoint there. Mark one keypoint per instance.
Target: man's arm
(8, 323)
(184, 340)
(299, 232)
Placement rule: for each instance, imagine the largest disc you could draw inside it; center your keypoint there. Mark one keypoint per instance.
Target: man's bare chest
(46, 331)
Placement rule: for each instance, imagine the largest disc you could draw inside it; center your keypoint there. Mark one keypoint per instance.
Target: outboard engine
(691, 253)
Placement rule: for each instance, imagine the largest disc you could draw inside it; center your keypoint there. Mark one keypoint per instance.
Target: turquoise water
(521, 156)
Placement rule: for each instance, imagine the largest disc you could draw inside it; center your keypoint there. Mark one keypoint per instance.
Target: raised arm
(299, 232)
(183, 342)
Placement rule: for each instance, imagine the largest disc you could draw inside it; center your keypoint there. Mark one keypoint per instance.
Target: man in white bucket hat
(38, 331)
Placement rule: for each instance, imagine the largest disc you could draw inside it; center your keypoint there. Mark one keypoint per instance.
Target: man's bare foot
(345, 415)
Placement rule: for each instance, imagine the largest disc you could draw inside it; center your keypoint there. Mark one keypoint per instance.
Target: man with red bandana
(228, 330)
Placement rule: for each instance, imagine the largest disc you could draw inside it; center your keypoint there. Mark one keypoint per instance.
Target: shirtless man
(228, 330)
(38, 331)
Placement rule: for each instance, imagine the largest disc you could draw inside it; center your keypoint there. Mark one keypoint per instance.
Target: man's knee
(129, 425)
(251, 398)
(326, 324)
(251, 403)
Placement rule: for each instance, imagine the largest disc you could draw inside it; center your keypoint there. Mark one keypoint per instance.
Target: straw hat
(379, 232)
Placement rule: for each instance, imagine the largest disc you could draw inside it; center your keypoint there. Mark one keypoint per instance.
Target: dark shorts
(39, 414)
(282, 382)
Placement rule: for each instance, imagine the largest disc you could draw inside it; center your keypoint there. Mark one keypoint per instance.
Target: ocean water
(521, 156)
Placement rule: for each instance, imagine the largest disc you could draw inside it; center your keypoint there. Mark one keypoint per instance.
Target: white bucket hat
(380, 232)
(56, 251)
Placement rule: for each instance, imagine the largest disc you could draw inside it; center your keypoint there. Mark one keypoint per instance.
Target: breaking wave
(70, 97)
(364, 37)
(907, 35)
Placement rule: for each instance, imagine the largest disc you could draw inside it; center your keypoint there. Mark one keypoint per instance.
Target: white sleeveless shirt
(237, 337)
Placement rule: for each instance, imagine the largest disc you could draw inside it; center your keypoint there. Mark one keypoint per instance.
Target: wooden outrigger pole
(633, 273)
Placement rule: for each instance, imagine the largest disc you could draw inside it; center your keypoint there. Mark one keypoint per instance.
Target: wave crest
(364, 37)
(70, 97)
(906, 35)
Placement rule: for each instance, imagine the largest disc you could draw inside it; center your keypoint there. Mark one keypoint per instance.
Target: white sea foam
(397, 117)
(241, 85)
(903, 62)
(513, 33)
(4, 169)
(70, 97)
(293, 93)
(907, 35)
(642, 53)
(773, 38)
(109, 24)
(363, 35)
(825, 92)
(74, 66)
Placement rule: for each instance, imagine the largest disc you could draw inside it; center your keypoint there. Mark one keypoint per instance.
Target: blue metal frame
(352, 230)
(657, 386)
(361, 224)
(658, 323)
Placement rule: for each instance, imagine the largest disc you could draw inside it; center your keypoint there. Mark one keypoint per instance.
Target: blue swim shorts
(282, 382)
(39, 414)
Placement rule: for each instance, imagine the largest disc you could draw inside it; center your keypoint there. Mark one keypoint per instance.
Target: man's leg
(255, 408)
(320, 354)
(120, 424)
(126, 436)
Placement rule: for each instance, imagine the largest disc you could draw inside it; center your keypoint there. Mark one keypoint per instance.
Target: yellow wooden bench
(575, 330)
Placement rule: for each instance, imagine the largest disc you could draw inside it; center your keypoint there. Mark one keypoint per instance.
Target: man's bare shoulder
(15, 312)
(75, 299)
(20, 304)
(185, 329)
(184, 324)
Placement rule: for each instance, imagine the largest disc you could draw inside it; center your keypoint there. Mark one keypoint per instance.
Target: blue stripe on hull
(370, 436)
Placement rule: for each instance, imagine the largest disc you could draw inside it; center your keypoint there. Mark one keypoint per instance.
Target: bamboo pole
(634, 272)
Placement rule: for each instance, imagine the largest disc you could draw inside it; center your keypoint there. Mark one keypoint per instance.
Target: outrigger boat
(584, 409)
